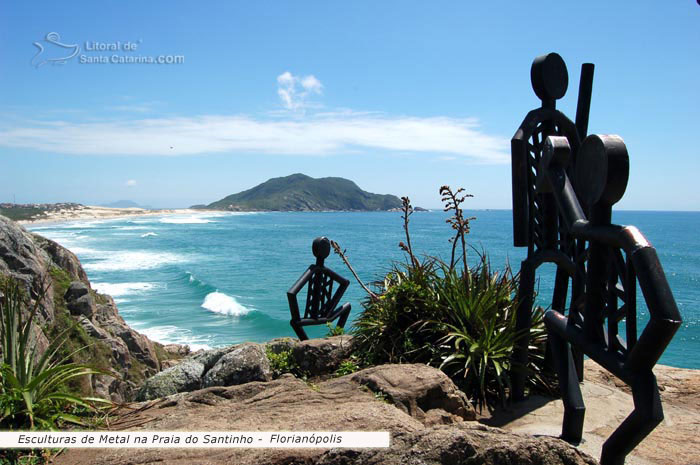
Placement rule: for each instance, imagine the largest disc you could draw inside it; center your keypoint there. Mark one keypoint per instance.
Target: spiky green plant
(478, 323)
(33, 390)
(390, 327)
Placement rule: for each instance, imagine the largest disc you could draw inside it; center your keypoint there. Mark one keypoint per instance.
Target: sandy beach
(102, 213)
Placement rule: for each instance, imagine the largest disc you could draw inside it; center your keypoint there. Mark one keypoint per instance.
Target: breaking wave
(218, 302)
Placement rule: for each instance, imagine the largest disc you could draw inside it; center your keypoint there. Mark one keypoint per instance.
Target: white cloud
(311, 84)
(145, 107)
(131, 183)
(319, 135)
(294, 91)
(322, 134)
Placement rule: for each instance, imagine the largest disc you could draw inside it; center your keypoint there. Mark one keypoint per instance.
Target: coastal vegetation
(34, 392)
(35, 211)
(35, 388)
(299, 192)
(457, 317)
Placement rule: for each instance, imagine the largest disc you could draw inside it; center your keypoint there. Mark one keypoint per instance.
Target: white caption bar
(191, 440)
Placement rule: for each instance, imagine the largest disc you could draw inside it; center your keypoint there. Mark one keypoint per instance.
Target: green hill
(299, 192)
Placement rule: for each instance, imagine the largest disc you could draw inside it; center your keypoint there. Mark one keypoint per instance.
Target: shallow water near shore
(214, 279)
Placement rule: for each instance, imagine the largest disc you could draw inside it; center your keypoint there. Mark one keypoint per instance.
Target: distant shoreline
(103, 213)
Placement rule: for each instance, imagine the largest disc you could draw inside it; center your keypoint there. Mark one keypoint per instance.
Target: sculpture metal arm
(342, 286)
(294, 290)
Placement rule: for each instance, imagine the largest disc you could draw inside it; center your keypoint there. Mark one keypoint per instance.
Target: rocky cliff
(44, 268)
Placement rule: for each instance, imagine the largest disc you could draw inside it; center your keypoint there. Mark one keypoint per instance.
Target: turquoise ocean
(215, 279)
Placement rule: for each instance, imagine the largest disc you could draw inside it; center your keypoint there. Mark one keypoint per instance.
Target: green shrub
(347, 367)
(479, 326)
(390, 328)
(334, 330)
(449, 315)
(33, 391)
(281, 362)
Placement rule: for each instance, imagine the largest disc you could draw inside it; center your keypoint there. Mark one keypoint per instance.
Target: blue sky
(401, 97)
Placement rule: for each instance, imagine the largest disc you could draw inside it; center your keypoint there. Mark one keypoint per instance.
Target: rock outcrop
(417, 390)
(243, 363)
(51, 273)
(348, 403)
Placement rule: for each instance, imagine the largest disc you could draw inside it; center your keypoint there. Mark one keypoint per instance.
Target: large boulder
(245, 363)
(209, 357)
(83, 305)
(417, 389)
(183, 377)
(317, 357)
(76, 290)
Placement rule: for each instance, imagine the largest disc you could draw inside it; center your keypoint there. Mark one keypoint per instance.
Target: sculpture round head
(321, 248)
(549, 77)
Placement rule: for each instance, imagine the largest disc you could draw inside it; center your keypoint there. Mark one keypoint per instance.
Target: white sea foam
(136, 260)
(218, 302)
(83, 252)
(130, 228)
(77, 225)
(149, 234)
(122, 289)
(173, 335)
(186, 220)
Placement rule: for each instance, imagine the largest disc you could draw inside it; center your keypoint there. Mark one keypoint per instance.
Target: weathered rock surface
(467, 444)
(45, 268)
(416, 389)
(183, 377)
(83, 305)
(245, 363)
(322, 356)
(208, 358)
(341, 404)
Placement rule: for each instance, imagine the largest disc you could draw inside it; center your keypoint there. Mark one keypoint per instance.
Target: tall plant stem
(341, 253)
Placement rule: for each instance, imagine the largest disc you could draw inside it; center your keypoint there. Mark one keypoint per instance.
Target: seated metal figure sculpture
(321, 302)
(564, 187)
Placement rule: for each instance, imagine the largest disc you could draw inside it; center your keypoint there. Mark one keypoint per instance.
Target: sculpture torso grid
(320, 292)
(321, 301)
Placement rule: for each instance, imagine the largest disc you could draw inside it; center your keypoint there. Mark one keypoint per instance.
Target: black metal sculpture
(321, 301)
(563, 193)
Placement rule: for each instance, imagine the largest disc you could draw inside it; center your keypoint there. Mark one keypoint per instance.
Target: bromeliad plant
(33, 390)
(478, 318)
(449, 315)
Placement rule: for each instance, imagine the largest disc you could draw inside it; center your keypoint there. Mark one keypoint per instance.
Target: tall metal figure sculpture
(564, 187)
(321, 301)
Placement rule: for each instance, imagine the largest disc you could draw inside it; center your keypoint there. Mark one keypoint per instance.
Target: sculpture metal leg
(647, 414)
(523, 322)
(299, 329)
(574, 408)
(345, 313)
